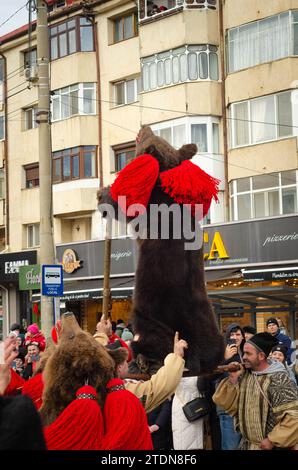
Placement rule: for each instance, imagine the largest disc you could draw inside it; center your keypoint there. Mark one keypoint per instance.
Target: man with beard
(262, 398)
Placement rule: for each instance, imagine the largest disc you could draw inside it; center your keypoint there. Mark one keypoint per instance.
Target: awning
(221, 274)
(121, 287)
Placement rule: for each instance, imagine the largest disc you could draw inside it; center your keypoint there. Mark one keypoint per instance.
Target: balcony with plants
(149, 9)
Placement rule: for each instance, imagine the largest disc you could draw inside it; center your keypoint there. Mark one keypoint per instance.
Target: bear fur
(170, 293)
(78, 359)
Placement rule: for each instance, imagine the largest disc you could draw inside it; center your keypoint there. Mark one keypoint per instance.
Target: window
(32, 175)
(75, 99)
(32, 235)
(74, 163)
(264, 195)
(123, 155)
(186, 63)
(263, 41)
(261, 119)
(2, 128)
(2, 184)
(148, 8)
(51, 6)
(72, 36)
(30, 57)
(201, 130)
(125, 27)
(126, 91)
(30, 118)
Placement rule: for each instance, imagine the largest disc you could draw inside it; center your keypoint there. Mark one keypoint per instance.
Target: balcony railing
(159, 8)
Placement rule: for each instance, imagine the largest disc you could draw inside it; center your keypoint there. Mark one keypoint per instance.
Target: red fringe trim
(189, 184)
(136, 182)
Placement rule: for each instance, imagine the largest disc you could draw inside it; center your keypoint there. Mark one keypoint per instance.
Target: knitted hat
(272, 320)
(33, 329)
(263, 342)
(79, 426)
(249, 329)
(15, 326)
(127, 335)
(282, 349)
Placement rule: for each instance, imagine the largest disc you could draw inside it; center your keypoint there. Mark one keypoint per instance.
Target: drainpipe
(223, 108)
(100, 164)
(6, 154)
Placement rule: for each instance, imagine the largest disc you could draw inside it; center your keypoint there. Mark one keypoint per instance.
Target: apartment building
(217, 73)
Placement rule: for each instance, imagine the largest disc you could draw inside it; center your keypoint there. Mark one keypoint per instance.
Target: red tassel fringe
(79, 427)
(136, 182)
(189, 184)
(34, 388)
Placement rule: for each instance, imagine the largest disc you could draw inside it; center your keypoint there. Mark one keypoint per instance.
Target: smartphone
(231, 341)
(35, 358)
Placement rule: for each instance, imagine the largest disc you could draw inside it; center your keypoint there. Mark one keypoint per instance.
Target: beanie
(15, 326)
(282, 349)
(127, 335)
(249, 329)
(33, 329)
(263, 342)
(272, 320)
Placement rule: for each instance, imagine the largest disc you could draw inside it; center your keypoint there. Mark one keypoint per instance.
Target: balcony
(159, 8)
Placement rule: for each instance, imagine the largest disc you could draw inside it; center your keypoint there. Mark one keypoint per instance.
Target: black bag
(196, 408)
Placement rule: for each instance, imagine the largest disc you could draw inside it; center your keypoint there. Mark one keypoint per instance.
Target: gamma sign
(52, 280)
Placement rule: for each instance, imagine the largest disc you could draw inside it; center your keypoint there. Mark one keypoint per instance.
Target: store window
(74, 35)
(125, 27)
(186, 63)
(264, 195)
(261, 119)
(74, 163)
(78, 99)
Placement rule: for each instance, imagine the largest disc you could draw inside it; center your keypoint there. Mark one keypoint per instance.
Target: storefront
(252, 271)
(83, 279)
(15, 303)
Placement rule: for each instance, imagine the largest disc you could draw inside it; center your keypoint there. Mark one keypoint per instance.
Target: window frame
(2, 127)
(137, 88)
(34, 110)
(123, 148)
(27, 168)
(73, 153)
(122, 19)
(66, 91)
(279, 187)
(77, 28)
(184, 73)
(251, 121)
(35, 238)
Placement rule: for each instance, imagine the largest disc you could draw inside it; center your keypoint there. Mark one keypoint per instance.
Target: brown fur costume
(77, 359)
(170, 293)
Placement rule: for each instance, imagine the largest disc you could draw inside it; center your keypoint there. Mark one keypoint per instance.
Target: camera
(231, 341)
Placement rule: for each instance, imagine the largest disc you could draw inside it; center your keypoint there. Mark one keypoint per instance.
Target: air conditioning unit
(31, 73)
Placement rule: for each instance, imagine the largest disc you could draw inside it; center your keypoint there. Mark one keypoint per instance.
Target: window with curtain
(32, 175)
(126, 91)
(72, 100)
(263, 41)
(125, 27)
(30, 118)
(264, 195)
(186, 63)
(32, 235)
(261, 119)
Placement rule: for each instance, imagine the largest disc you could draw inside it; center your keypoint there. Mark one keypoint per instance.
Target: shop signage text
(29, 277)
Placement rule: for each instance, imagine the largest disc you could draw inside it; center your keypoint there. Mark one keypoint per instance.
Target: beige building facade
(222, 74)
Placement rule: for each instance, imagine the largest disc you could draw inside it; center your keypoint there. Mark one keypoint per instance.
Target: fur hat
(263, 342)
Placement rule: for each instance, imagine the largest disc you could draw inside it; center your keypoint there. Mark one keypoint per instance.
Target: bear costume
(170, 293)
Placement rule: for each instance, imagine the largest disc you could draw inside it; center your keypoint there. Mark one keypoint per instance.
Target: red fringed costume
(79, 426)
(126, 426)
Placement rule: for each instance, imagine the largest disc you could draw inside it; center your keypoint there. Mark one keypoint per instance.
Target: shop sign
(69, 261)
(10, 264)
(29, 277)
(254, 275)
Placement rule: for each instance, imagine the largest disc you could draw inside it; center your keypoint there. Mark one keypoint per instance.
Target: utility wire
(14, 14)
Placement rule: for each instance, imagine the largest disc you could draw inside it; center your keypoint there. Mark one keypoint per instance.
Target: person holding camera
(235, 340)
